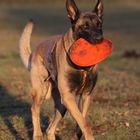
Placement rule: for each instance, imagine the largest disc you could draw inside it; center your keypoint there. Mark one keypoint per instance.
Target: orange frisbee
(84, 54)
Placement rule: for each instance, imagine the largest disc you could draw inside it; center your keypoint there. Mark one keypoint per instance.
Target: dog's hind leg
(53, 125)
(37, 133)
(60, 111)
(39, 91)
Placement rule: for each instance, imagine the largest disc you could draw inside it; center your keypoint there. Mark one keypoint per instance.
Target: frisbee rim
(75, 62)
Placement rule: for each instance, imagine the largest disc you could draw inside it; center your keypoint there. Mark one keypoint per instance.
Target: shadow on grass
(10, 106)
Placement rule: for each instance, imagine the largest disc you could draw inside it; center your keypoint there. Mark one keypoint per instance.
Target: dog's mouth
(92, 39)
(95, 41)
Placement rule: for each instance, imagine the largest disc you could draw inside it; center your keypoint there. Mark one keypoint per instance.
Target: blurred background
(115, 108)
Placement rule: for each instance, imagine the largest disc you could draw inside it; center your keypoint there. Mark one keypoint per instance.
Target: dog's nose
(99, 37)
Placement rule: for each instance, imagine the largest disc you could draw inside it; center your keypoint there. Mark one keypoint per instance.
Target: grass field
(115, 109)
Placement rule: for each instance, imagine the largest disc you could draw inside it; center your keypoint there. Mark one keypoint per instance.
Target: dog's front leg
(70, 103)
(83, 104)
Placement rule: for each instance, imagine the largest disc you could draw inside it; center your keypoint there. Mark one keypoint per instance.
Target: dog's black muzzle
(92, 37)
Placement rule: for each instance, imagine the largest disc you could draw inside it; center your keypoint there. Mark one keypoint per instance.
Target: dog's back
(44, 49)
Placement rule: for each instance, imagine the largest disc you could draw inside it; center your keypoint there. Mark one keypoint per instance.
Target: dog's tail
(24, 45)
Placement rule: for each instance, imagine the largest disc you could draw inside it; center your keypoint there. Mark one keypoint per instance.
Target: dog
(54, 75)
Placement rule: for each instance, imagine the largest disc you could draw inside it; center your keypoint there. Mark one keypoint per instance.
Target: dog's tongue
(84, 54)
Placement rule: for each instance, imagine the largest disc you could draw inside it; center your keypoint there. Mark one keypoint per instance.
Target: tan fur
(53, 74)
(24, 45)
(42, 75)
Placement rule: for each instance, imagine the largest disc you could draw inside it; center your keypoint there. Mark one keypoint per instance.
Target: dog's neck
(68, 39)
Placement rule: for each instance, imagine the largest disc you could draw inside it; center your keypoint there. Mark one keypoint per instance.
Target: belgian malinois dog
(54, 75)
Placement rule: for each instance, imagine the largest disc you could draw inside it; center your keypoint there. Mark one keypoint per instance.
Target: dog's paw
(50, 137)
(38, 138)
(74, 138)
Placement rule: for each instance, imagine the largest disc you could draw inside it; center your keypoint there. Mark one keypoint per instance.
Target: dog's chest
(80, 81)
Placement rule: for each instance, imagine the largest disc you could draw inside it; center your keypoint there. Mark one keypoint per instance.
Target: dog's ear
(99, 9)
(72, 10)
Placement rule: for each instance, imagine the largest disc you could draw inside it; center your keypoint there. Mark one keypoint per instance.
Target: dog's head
(87, 25)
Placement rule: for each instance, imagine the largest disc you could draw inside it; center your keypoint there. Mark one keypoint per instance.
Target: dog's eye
(85, 27)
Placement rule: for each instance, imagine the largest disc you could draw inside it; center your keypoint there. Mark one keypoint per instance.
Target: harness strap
(69, 60)
(84, 81)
